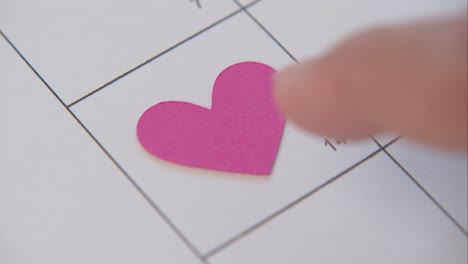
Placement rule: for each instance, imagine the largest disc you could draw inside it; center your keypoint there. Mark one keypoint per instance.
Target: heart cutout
(240, 133)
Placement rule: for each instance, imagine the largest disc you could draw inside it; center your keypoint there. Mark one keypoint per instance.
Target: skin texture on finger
(408, 79)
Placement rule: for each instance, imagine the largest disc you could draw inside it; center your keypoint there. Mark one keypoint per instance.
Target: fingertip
(316, 97)
(293, 91)
(300, 95)
(283, 81)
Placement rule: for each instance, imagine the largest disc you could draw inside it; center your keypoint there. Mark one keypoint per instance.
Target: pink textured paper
(240, 133)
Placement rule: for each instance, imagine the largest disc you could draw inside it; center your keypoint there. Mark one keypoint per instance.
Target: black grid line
(245, 9)
(444, 211)
(383, 148)
(197, 2)
(288, 206)
(307, 195)
(267, 219)
(164, 52)
(145, 196)
(204, 257)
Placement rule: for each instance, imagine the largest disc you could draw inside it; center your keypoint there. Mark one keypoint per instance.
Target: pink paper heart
(240, 133)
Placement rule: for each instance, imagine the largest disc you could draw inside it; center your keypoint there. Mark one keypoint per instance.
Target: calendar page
(77, 186)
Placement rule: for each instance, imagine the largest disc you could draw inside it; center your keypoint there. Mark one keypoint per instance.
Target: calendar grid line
(451, 218)
(246, 11)
(288, 206)
(272, 216)
(205, 257)
(383, 148)
(32, 68)
(153, 58)
(145, 196)
(428, 195)
(164, 52)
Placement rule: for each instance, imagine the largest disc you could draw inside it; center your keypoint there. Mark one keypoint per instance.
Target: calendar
(77, 187)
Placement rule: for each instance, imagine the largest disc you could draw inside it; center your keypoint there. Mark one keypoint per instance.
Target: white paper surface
(76, 187)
